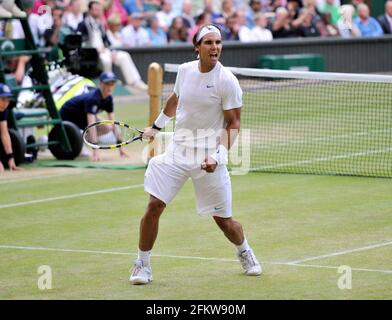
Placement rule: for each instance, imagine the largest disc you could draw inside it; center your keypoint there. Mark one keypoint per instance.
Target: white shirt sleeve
(178, 81)
(231, 93)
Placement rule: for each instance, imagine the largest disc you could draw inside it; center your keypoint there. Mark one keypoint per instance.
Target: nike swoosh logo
(209, 86)
(217, 208)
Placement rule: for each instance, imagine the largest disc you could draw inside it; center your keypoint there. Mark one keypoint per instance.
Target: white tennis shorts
(167, 173)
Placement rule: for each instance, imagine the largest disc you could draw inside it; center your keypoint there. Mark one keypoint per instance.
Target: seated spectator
(255, 7)
(177, 31)
(345, 30)
(56, 34)
(203, 18)
(275, 4)
(134, 6)
(215, 16)
(244, 32)
(165, 15)
(385, 20)
(115, 6)
(305, 25)
(282, 26)
(73, 16)
(327, 29)
(134, 34)
(332, 9)
(155, 33)
(186, 14)
(231, 29)
(367, 25)
(94, 36)
(260, 32)
(294, 8)
(227, 9)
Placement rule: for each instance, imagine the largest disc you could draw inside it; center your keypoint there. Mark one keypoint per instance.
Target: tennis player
(207, 102)
(82, 110)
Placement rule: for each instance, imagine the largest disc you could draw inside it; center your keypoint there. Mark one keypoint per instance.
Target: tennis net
(311, 122)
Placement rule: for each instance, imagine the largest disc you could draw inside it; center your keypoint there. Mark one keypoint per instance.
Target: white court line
(183, 257)
(339, 253)
(76, 195)
(39, 177)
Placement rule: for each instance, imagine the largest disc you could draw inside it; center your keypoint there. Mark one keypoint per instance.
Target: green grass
(285, 217)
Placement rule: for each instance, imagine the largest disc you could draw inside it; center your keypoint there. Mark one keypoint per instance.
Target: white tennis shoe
(140, 274)
(250, 263)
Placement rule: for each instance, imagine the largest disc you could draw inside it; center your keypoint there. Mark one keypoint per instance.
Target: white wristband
(162, 120)
(221, 155)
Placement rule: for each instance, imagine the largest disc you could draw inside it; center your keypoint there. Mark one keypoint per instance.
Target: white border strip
(183, 257)
(289, 74)
(76, 195)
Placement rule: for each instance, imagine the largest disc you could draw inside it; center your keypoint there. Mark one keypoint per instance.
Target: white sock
(145, 257)
(243, 247)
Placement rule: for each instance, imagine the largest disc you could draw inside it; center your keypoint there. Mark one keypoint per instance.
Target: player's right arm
(168, 112)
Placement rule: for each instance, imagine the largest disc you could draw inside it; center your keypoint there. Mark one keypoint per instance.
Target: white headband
(206, 30)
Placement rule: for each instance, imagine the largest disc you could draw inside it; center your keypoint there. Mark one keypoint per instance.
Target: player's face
(4, 102)
(210, 49)
(107, 88)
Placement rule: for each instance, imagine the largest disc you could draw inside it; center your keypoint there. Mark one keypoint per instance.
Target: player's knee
(155, 207)
(225, 224)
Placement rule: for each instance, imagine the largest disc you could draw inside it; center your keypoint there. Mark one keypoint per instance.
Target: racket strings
(104, 135)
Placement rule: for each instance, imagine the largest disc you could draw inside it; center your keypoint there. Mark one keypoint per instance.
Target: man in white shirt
(207, 102)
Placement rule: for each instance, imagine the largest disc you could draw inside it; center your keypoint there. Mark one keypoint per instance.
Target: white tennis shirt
(202, 98)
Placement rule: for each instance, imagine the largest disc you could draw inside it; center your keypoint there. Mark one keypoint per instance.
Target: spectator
(231, 29)
(332, 9)
(94, 36)
(244, 32)
(165, 15)
(276, 4)
(255, 6)
(215, 16)
(54, 36)
(5, 139)
(327, 29)
(385, 20)
(134, 35)
(155, 33)
(294, 7)
(115, 6)
(260, 32)
(203, 18)
(177, 31)
(346, 30)
(74, 15)
(367, 25)
(134, 6)
(227, 10)
(186, 14)
(305, 24)
(282, 26)
(41, 21)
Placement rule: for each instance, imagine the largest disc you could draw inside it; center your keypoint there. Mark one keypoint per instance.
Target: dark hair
(91, 3)
(194, 41)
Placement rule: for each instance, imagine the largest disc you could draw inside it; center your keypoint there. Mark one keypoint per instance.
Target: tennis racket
(110, 134)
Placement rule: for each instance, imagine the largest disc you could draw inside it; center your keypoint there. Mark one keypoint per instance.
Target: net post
(155, 79)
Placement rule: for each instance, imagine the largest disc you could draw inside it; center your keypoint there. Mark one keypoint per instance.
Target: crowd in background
(131, 23)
